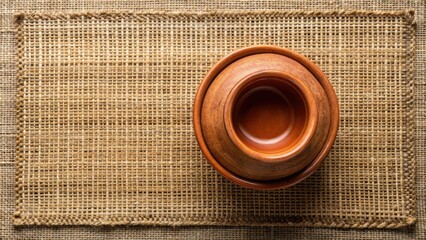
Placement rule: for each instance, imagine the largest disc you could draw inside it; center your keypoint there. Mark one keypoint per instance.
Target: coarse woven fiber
(8, 124)
(105, 105)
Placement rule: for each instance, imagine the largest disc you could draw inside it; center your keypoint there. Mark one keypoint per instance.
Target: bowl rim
(318, 74)
(311, 114)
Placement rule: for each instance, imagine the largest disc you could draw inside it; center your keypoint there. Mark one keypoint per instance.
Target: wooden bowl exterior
(244, 166)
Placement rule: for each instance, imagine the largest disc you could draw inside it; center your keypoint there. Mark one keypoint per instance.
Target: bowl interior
(270, 115)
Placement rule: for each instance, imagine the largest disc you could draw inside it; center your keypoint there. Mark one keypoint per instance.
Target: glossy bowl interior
(271, 115)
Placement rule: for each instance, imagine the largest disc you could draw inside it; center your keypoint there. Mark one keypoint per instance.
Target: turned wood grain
(265, 117)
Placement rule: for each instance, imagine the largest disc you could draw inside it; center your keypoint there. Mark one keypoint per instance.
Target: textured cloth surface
(105, 119)
(8, 92)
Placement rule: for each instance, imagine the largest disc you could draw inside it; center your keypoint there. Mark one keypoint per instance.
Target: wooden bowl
(265, 117)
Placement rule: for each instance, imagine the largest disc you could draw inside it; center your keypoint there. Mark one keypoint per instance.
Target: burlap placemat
(104, 119)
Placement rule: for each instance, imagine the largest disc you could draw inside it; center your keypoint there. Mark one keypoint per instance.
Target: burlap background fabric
(105, 119)
(9, 90)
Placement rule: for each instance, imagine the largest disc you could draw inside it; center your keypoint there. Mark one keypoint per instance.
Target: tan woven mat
(105, 105)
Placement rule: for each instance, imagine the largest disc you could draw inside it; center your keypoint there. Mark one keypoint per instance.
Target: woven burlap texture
(8, 124)
(104, 119)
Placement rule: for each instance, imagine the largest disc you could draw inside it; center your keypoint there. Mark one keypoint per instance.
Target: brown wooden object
(265, 117)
